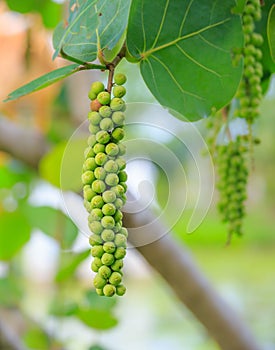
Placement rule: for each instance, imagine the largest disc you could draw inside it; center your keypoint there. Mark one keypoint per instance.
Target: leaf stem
(84, 65)
(111, 66)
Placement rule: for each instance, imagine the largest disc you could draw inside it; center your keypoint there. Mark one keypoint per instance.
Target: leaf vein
(161, 23)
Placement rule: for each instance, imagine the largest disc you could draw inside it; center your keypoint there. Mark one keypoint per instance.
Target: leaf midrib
(147, 53)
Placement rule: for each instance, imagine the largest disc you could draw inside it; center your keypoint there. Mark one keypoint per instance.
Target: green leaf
(15, 232)
(43, 81)
(186, 50)
(98, 319)
(69, 263)
(63, 308)
(271, 31)
(240, 4)
(62, 166)
(94, 301)
(53, 223)
(91, 25)
(96, 347)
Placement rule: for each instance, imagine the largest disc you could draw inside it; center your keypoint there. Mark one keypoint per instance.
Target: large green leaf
(44, 81)
(271, 31)
(52, 222)
(186, 50)
(15, 232)
(92, 25)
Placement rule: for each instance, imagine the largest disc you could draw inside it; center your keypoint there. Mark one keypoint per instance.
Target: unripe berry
(107, 259)
(120, 253)
(94, 128)
(109, 290)
(107, 235)
(111, 166)
(122, 176)
(109, 247)
(111, 179)
(98, 186)
(115, 278)
(105, 271)
(96, 227)
(99, 147)
(97, 202)
(121, 163)
(104, 98)
(91, 140)
(97, 87)
(108, 222)
(122, 149)
(118, 203)
(97, 251)
(119, 91)
(105, 111)
(120, 240)
(99, 281)
(106, 124)
(118, 216)
(120, 290)
(117, 265)
(124, 232)
(87, 177)
(117, 104)
(117, 134)
(118, 118)
(91, 95)
(95, 240)
(112, 149)
(108, 209)
(120, 78)
(94, 118)
(95, 215)
(101, 158)
(88, 153)
(100, 173)
(109, 196)
(102, 136)
(99, 291)
(88, 193)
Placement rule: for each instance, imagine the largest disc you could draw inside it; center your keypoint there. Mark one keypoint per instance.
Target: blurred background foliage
(45, 281)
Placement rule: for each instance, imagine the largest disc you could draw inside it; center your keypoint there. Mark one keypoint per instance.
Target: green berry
(120, 253)
(121, 163)
(98, 186)
(97, 87)
(90, 164)
(98, 147)
(119, 91)
(118, 118)
(106, 124)
(111, 166)
(88, 153)
(109, 247)
(122, 176)
(109, 196)
(122, 149)
(95, 240)
(107, 235)
(124, 232)
(94, 129)
(95, 215)
(117, 104)
(99, 291)
(99, 281)
(94, 118)
(102, 136)
(112, 179)
(112, 149)
(92, 95)
(120, 290)
(105, 111)
(101, 158)
(120, 240)
(109, 290)
(108, 209)
(117, 265)
(87, 177)
(108, 222)
(118, 190)
(115, 278)
(117, 134)
(88, 193)
(107, 259)
(118, 203)
(97, 251)
(120, 78)
(94, 267)
(91, 140)
(95, 227)
(118, 216)
(105, 271)
(97, 201)
(100, 173)
(104, 97)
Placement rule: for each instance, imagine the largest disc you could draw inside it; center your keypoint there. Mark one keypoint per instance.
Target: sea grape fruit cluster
(104, 185)
(233, 174)
(250, 91)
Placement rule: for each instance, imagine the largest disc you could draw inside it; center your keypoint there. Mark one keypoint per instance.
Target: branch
(168, 257)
